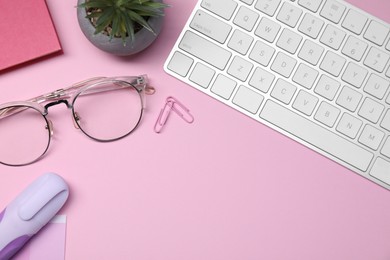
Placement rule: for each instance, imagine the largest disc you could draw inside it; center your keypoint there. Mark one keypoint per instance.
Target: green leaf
(122, 30)
(97, 4)
(104, 20)
(149, 11)
(157, 5)
(129, 24)
(116, 21)
(139, 19)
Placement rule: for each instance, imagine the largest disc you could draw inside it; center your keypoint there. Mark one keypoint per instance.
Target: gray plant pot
(143, 38)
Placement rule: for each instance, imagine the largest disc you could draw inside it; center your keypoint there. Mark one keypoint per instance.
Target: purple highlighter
(30, 211)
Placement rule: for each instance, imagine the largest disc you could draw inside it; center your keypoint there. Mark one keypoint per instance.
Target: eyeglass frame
(69, 95)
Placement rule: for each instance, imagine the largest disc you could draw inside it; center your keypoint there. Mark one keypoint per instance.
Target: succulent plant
(122, 18)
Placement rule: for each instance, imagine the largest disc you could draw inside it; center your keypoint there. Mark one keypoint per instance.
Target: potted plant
(121, 27)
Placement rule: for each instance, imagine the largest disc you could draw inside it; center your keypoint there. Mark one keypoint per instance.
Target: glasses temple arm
(61, 93)
(9, 111)
(140, 82)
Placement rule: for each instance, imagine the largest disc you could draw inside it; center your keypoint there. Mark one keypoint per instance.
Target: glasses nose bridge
(75, 116)
(54, 103)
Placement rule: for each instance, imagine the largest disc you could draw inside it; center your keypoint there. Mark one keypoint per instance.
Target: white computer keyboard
(315, 70)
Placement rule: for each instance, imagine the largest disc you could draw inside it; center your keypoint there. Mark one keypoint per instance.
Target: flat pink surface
(225, 187)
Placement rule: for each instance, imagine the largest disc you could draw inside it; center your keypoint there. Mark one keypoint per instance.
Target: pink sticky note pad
(27, 32)
(48, 244)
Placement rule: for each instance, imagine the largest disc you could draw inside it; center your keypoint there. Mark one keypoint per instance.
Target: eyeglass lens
(24, 135)
(108, 115)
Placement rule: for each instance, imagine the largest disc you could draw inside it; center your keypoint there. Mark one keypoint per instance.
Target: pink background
(225, 187)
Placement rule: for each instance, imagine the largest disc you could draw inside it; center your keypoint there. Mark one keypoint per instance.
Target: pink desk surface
(225, 187)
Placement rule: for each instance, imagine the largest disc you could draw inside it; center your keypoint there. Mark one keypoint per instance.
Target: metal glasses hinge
(55, 94)
(140, 80)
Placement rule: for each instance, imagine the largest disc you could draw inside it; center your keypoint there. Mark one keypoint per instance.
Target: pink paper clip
(172, 104)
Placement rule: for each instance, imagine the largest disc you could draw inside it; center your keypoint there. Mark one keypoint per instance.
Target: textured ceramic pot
(142, 40)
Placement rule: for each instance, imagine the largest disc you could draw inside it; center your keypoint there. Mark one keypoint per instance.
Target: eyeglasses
(105, 109)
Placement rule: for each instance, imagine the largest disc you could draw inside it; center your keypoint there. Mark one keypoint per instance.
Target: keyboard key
(377, 86)
(316, 135)
(305, 76)
(327, 87)
(262, 80)
(388, 72)
(333, 11)
(267, 7)
(262, 53)
(311, 5)
(381, 170)
(246, 18)
(376, 59)
(349, 98)
(354, 48)
(267, 29)
(354, 75)
(311, 52)
(371, 137)
(222, 8)
(332, 37)
(283, 91)
(223, 86)
(386, 148)
(327, 114)
(248, 99)
(205, 50)
(240, 68)
(376, 33)
(289, 14)
(248, 2)
(388, 45)
(210, 26)
(180, 64)
(283, 64)
(202, 75)
(289, 41)
(332, 63)
(386, 121)
(240, 42)
(311, 26)
(305, 102)
(354, 21)
(371, 110)
(349, 126)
